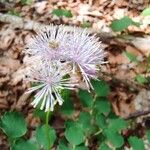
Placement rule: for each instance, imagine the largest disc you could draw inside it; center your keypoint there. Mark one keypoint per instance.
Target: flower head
(49, 78)
(86, 54)
(49, 43)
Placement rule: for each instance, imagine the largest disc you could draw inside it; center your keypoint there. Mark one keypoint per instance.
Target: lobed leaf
(85, 98)
(123, 23)
(115, 138)
(62, 12)
(13, 124)
(45, 136)
(25, 145)
(74, 134)
(136, 143)
(101, 87)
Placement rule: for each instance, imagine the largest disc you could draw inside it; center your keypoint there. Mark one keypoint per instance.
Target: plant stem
(47, 117)
(47, 127)
(94, 99)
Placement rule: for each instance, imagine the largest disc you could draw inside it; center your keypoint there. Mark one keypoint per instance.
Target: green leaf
(85, 98)
(14, 12)
(101, 121)
(85, 122)
(136, 143)
(86, 24)
(67, 108)
(148, 135)
(65, 94)
(81, 148)
(70, 123)
(62, 12)
(62, 146)
(13, 124)
(74, 134)
(104, 146)
(123, 23)
(84, 119)
(24, 145)
(141, 79)
(102, 105)
(146, 12)
(101, 87)
(26, 2)
(39, 113)
(117, 124)
(45, 136)
(131, 57)
(115, 138)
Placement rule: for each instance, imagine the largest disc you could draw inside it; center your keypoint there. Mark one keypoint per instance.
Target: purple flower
(85, 53)
(49, 79)
(49, 43)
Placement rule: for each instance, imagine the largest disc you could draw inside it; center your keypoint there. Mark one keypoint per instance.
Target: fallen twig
(137, 114)
(27, 24)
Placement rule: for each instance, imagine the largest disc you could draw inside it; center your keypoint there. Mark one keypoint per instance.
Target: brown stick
(137, 114)
(27, 24)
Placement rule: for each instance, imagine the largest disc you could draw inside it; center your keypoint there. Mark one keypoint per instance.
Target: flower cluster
(60, 53)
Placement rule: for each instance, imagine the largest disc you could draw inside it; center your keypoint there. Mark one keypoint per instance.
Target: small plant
(59, 62)
(14, 12)
(62, 13)
(122, 24)
(26, 2)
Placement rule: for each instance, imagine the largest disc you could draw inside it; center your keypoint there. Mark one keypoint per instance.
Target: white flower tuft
(49, 80)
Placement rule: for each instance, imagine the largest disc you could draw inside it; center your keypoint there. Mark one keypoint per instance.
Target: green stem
(94, 99)
(47, 117)
(47, 127)
(73, 147)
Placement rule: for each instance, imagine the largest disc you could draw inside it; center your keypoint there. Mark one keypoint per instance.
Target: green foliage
(148, 63)
(122, 24)
(86, 24)
(141, 79)
(102, 105)
(13, 124)
(101, 88)
(67, 108)
(117, 124)
(146, 12)
(24, 145)
(62, 12)
(14, 12)
(148, 135)
(136, 143)
(114, 138)
(95, 120)
(26, 2)
(81, 148)
(131, 57)
(41, 135)
(101, 121)
(39, 113)
(74, 134)
(85, 98)
(65, 94)
(104, 146)
(62, 145)
(85, 120)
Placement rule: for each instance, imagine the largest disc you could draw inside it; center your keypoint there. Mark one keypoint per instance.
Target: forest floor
(128, 97)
